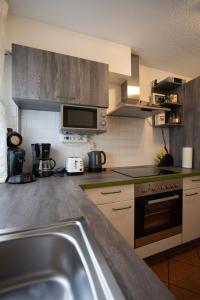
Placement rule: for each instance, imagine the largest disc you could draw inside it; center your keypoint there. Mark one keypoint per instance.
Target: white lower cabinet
(117, 205)
(191, 214)
(120, 214)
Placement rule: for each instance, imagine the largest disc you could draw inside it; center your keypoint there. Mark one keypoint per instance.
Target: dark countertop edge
(137, 180)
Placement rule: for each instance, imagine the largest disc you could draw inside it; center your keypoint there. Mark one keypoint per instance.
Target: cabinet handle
(66, 98)
(109, 193)
(193, 194)
(195, 180)
(122, 208)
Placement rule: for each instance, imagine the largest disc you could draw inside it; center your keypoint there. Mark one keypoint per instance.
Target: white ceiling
(165, 33)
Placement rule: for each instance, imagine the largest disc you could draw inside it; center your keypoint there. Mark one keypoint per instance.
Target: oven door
(79, 118)
(157, 217)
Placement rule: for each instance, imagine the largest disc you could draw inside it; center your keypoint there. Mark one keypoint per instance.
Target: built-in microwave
(82, 119)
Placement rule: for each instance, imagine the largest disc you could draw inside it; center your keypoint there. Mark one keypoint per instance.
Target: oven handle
(160, 200)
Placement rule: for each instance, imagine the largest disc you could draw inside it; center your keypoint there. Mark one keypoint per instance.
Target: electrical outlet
(73, 138)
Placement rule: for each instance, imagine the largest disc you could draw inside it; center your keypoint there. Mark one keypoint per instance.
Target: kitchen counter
(49, 200)
(110, 178)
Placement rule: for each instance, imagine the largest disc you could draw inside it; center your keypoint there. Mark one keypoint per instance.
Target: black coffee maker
(15, 159)
(42, 163)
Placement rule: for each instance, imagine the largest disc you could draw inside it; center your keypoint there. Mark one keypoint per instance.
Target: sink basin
(55, 262)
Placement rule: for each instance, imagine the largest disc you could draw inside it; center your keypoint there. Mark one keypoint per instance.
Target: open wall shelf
(171, 105)
(174, 117)
(169, 125)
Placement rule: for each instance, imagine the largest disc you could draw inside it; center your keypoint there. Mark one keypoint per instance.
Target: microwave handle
(161, 200)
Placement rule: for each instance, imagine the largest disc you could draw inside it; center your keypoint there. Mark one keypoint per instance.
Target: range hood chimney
(130, 89)
(131, 106)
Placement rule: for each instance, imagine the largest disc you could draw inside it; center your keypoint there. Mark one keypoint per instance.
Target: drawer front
(120, 214)
(191, 194)
(191, 182)
(111, 194)
(191, 214)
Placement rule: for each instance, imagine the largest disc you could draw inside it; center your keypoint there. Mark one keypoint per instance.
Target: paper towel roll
(187, 157)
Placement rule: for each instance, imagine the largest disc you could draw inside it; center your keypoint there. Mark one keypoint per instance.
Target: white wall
(43, 36)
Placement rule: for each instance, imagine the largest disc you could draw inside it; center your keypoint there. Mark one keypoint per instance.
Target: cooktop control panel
(157, 187)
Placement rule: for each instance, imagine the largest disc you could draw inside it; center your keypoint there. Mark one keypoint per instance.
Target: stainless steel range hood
(131, 105)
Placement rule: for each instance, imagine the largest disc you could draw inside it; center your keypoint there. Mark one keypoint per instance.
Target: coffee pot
(45, 167)
(42, 163)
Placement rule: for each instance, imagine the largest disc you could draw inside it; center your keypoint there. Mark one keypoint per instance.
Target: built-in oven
(158, 211)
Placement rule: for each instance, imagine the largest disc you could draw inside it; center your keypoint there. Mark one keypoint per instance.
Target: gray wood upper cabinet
(42, 80)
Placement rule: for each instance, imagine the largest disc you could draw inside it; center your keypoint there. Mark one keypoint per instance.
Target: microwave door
(79, 118)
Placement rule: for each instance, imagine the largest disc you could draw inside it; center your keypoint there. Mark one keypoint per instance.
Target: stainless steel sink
(54, 262)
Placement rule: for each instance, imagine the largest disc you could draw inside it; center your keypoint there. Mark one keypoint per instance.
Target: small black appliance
(15, 159)
(22, 178)
(96, 160)
(42, 163)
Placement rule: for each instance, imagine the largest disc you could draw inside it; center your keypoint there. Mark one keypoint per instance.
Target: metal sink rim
(99, 275)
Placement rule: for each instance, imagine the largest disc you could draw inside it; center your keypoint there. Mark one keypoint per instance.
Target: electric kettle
(96, 160)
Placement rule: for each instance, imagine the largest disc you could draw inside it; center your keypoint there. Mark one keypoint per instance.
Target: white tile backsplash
(127, 141)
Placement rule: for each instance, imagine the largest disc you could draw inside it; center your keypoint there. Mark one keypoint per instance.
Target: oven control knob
(143, 191)
(163, 187)
(103, 123)
(103, 114)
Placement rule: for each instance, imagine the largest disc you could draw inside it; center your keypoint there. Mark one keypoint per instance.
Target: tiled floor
(181, 274)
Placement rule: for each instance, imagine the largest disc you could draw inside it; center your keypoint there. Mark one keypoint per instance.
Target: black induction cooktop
(143, 171)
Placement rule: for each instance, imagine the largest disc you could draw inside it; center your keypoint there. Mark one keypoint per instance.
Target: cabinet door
(33, 73)
(189, 93)
(93, 83)
(106, 195)
(67, 78)
(191, 214)
(43, 79)
(40, 76)
(191, 182)
(121, 215)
